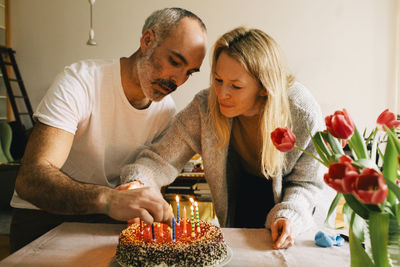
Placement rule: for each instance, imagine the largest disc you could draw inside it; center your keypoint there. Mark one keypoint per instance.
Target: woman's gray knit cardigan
(295, 192)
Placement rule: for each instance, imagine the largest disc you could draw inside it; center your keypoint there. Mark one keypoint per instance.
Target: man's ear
(147, 39)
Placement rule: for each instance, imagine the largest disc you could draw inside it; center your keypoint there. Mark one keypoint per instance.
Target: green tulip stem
(311, 155)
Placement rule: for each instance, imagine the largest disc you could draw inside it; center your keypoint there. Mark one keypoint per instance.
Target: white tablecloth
(82, 244)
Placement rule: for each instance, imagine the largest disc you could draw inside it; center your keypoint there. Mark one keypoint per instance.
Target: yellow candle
(197, 217)
(192, 220)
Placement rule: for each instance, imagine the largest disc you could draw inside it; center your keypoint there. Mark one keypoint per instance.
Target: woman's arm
(160, 164)
(302, 179)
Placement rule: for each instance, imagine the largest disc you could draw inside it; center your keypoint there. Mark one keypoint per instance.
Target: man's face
(165, 66)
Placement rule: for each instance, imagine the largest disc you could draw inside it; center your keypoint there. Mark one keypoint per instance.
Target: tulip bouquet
(366, 178)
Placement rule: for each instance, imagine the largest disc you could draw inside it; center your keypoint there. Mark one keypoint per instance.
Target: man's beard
(146, 66)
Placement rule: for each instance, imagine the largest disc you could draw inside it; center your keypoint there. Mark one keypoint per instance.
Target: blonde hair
(260, 56)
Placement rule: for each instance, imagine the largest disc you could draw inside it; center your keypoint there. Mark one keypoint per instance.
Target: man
(92, 121)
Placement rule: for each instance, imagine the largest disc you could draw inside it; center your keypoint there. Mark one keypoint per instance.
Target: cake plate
(229, 253)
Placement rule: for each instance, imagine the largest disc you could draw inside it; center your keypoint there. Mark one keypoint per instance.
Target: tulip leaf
(393, 188)
(332, 209)
(365, 163)
(357, 206)
(394, 138)
(334, 143)
(378, 224)
(390, 165)
(321, 148)
(347, 211)
(358, 255)
(374, 144)
(359, 223)
(357, 144)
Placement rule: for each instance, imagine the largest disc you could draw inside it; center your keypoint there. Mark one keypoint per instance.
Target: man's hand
(145, 203)
(283, 233)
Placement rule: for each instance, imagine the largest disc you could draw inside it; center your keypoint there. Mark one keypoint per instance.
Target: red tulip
(283, 139)
(370, 187)
(389, 119)
(340, 124)
(342, 175)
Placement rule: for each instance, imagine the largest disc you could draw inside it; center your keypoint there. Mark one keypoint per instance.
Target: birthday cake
(159, 245)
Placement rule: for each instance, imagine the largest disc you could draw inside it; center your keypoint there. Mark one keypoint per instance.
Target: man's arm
(41, 182)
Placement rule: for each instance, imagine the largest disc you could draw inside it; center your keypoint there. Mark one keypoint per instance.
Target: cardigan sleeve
(302, 179)
(160, 164)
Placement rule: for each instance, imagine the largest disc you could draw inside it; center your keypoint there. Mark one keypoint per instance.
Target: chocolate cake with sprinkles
(159, 245)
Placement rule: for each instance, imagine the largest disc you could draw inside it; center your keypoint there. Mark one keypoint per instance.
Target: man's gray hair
(163, 20)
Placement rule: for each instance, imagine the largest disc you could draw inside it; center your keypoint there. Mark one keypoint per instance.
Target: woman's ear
(263, 92)
(146, 40)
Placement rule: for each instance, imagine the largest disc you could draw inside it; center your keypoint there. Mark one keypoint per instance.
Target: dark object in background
(19, 140)
(8, 174)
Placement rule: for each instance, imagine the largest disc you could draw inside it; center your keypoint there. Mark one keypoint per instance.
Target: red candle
(184, 220)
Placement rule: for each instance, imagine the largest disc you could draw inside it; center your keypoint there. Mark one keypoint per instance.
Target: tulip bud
(340, 125)
(283, 139)
(341, 175)
(389, 119)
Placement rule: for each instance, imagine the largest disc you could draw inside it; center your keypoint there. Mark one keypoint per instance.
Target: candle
(161, 229)
(169, 230)
(173, 229)
(152, 232)
(191, 200)
(184, 220)
(177, 209)
(141, 226)
(192, 220)
(197, 217)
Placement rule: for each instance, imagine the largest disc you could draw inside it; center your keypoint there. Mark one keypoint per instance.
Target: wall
(343, 51)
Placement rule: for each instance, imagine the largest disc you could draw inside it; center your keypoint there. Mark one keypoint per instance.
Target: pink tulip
(370, 187)
(340, 125)
(283, 139)
(389, 119)
(342, 175)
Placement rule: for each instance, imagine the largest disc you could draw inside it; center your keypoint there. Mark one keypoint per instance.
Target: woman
(252, 183)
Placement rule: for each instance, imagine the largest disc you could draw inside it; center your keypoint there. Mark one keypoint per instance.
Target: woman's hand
(129, 186)
(283, 233)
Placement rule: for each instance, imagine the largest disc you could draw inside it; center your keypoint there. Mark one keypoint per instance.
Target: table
(84, 244)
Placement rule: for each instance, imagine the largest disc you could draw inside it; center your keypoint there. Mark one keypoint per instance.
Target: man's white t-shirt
(88, 100)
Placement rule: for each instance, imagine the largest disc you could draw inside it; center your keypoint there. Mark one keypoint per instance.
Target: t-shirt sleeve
(66, 103)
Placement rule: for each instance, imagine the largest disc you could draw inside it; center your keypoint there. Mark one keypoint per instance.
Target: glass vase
(394, 242)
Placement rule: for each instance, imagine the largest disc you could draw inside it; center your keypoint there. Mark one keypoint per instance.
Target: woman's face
(238, 93)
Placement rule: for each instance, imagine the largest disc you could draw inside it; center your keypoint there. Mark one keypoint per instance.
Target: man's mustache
(169, 85)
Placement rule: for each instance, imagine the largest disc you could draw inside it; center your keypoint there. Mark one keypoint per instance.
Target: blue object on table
(325, 240)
